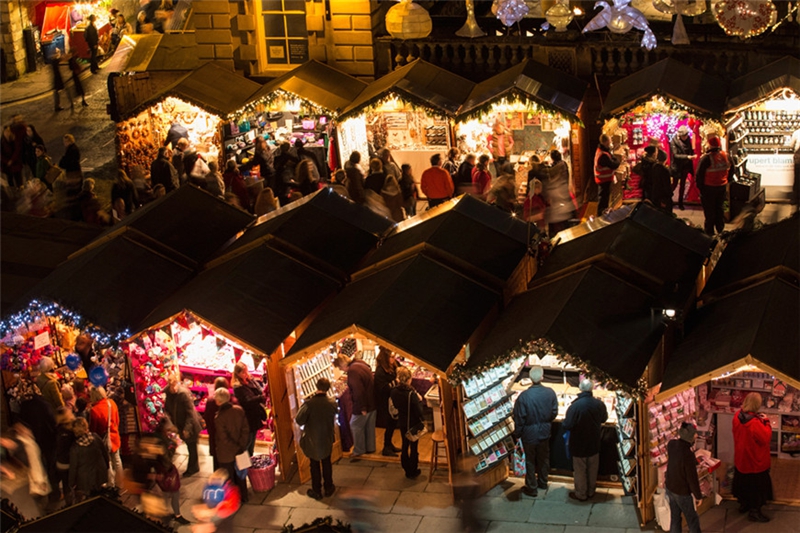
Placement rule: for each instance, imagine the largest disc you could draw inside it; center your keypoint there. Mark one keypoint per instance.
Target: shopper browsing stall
(409, 416)
(249, 394)
(317, 415)
(712, 179)
(362, 421)
(752, 433)
(232, 434)
(681, 480)
(683, 157)
(584, 420)
(180, 408)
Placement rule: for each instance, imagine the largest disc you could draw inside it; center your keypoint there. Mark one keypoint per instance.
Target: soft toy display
(152, 361)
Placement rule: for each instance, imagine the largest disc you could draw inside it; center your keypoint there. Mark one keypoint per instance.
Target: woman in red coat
(752, 434)
(104, 419)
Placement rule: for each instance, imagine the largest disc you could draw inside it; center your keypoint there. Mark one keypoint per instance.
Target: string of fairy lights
(281, 96)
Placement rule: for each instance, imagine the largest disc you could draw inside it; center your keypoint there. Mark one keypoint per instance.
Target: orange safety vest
(717, 171)
(602, 174)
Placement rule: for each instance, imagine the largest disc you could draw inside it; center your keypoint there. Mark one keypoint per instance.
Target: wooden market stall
(200, 102)
(406, 111)
(762, 115)
(655, 102)
(63, 25)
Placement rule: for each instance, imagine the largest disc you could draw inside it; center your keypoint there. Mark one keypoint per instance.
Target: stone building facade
(13, 19)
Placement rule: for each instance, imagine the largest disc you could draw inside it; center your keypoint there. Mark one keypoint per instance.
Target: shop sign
(777, 170)
(41, 340)
(298, 52)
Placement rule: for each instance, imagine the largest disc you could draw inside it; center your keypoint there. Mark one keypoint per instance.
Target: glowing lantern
(559, 15)
(407, 20)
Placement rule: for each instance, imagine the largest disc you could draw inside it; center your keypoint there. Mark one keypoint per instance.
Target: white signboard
(41, 340)
(777, 170)
(352, 135)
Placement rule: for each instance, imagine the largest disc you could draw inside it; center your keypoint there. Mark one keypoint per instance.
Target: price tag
(41, 340)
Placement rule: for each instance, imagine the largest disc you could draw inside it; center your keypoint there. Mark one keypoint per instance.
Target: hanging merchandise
(690, 8)
(620, 18)
(510, 11)
(470, 28)
(745, 18)
(408, 20)
(559, 15)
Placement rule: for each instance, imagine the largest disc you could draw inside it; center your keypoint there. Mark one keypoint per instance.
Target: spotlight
(669, 313)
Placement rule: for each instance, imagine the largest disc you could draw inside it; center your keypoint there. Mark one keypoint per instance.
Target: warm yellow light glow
(788, 101)
(392, 104)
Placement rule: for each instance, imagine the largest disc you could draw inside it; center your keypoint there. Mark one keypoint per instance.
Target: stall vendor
(500, 142)
(177, 131)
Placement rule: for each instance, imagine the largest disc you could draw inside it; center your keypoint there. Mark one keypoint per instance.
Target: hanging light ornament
(510, 11)
(408, 20)
(470, 28)
(621, 18)
(559, 15)
(690, 8)
(745, 18)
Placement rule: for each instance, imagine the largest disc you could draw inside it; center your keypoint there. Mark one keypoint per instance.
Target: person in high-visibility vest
(712, 179)
(605, 163)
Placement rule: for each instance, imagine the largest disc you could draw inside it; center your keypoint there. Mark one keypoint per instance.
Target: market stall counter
(63, 26)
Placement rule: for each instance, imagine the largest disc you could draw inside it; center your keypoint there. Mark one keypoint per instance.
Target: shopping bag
(243, 461)
(52, 174)
(566, 444)
(518, 460)
(661, 504)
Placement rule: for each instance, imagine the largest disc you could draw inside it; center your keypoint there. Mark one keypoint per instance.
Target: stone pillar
(348, 37)
(212, 22)
(13, 18)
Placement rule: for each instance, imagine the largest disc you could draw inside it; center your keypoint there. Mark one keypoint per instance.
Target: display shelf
(490, 438)
(478, 384)
(476, 407)
(491, 418)
(495, 454)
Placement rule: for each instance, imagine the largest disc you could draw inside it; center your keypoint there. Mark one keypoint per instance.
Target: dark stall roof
(770, 250)
(430, 322)
(94, 515)
(420, 83)
(155, 52)
(693, 88)
(761, 322)
(324, 225)
(32, 247)
(318, 83)
(116, 283)
(551, 88)
(211, 87)
(659, 248)
(764, 83)
(593, 315)
(258, 297)
(188, 220)
(467, 228)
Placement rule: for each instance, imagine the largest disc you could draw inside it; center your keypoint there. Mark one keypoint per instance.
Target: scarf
(85, 439)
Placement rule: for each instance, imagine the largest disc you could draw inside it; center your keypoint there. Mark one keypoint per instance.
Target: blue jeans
(363, 429)
(682, 504)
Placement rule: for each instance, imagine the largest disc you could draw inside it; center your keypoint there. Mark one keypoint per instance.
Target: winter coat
(179, 406)
(681, 476)
(681, 150)
(43, 164)
(375, 181)
(232, 432)
(464, 174)
(751, 439)
(362, 385)
(51, 390)
(383, 383)
(406, 418)
(127, 192)
(317, 415)
(71, 160)
(65, 438)
(584, 421)
(209, 416)
(482, 181)
(234, 182)
(176, 133)
(88, 464)
(355, 182)
(251, 398)
(39, 416)
(534, 412)
(98, 421)
(91, 36)
(556, 192)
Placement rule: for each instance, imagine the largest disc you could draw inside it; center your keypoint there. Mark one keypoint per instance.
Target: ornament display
(73, 361)
(408, 20)
(621, 18)
(470, 28)
(745, 18)
(509, 12)
(559, 15)
(690, 8)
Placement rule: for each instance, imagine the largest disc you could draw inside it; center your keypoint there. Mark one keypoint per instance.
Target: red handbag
(170, 481)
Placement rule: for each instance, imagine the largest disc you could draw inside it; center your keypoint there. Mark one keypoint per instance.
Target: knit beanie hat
(687, 432)
(713, 142)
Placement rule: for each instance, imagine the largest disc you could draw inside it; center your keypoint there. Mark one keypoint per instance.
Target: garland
(307, 107)
(662, 103)
(542, 347)
(516, 96)
(373, 105)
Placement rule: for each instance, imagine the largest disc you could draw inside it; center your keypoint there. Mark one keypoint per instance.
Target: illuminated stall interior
(63, 25)
(655, 102)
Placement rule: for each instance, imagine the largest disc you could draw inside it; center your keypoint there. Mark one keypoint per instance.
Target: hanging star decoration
(510, 11)
(679, 8)
(620, 18)
(745, 18)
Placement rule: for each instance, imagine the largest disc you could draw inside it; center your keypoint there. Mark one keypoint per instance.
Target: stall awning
(764, 83)
(758, 326)
(467, 228)
(155, 52)
(329, 228)
(772, 250)
(31, 248)
(116, 283)
(418, 307)
(318, 83)
(592, 314)
(420, 83)
(212, 87)
(655, 249)
(94, 515)
(693, 88)
(551, 88)
(188, 220)
(258, 297)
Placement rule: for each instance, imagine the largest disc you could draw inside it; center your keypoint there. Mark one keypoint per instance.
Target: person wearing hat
(712, 180)
(681, 480)
(653, 141)
(682, 160)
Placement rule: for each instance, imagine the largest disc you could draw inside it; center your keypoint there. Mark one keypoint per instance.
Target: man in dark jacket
(92, 40)
(316, 416)
(162, 172)
(180, 408)
(362, 421)
(605, 163)
(534, 412)
(682, 162)
(177, 131)
(681, 480)
(231, 434)
(584, 419)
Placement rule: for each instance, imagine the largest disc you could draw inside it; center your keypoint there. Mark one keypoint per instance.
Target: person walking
(409, 415)
(104, 422)
(232, 435)
(712, 180)
(681, 480)
(584, 419)
(752, 433)
(682, 161)
(179, 406)
(124, 198)
(92, 40)
(436, 183)
(88, 462)
(75, 68)
(385, 380)
(58, 79)
(355, 178)
(168, 479)
(316, 416)
(362, 421)
(47, 381)
(209, 416)
(556, 192)
(534, 412)
(234, 182)
(249, 393)
(605, 163)
(408, 188)
(65, 438)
